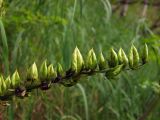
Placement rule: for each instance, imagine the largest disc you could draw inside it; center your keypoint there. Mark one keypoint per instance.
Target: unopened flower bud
(113, 72)
(102, 62)
(91, 62)
(32, 72)
(131, 58)
(3, 85)
(8, 82)
(122, 57)
(135, 57)
(145, 54)
(51, 72)
(113, 61)
(60, 71)
(43, 71)
(15, 81)
(77, 61)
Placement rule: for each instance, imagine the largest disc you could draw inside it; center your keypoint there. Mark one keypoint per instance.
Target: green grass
(38, 30)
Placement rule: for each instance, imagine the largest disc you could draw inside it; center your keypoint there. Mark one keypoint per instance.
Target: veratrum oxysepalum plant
(47, 75)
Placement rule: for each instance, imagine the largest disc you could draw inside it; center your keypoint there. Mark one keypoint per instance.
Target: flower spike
(48, 75)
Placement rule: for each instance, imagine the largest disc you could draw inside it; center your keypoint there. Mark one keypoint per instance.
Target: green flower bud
(145, 54)
(125, 58)
(8, 82)
(32, 72)
(3, 85)
(77, 61)
(51, 72)
(15, 81)
(43, 70)
(122, 57)
(135, 57)
(131, 58)
(102, 62)
(91, 62)
(113, 58)
(60, 71)
(113, 72)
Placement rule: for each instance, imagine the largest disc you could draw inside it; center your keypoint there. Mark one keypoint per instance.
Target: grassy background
(34, 30)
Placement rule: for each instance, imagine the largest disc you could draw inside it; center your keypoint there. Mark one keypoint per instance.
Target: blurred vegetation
(35, 30)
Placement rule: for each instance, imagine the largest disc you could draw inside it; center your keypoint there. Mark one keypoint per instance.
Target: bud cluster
(10, 83)
(47, 74)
